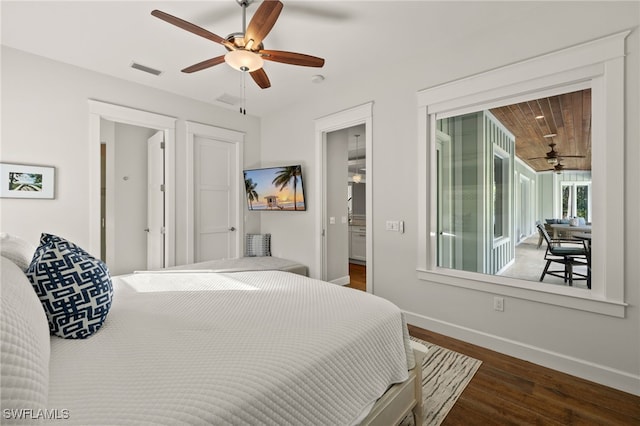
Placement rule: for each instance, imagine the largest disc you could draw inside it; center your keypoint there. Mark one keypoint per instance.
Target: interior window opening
(459, 121)
(503, 171)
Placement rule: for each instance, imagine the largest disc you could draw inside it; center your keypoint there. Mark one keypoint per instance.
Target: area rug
(445, 374)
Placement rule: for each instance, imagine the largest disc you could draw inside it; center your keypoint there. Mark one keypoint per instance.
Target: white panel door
(215, 187)
(155, 201)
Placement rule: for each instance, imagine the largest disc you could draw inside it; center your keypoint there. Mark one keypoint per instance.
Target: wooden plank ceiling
(567, 116)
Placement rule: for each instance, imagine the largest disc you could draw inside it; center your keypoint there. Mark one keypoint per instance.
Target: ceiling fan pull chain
(243, 89)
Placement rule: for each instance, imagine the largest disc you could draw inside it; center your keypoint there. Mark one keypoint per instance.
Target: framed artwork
(23, 181)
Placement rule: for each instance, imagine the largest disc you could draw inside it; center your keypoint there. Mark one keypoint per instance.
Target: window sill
(568, 297)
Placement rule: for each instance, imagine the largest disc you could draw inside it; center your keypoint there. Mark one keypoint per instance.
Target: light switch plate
(393, 225)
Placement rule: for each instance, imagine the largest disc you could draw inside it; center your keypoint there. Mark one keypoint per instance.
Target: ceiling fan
(246, 51)
(558, 168)
(553, 156)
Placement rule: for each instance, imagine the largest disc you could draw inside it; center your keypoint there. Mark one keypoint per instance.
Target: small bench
(254, 263)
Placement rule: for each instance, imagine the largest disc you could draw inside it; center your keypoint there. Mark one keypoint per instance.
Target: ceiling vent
(146, 69)
(228, 99)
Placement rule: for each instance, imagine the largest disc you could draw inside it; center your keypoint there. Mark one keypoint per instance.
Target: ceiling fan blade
(192, 28)
(262, 22)
(204, 64)
(261, 79)
(557, 156)
(292, 58)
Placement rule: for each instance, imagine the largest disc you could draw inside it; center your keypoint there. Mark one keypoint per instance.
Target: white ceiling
(356, 39)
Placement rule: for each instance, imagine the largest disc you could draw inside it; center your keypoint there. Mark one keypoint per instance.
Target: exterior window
(576, 200)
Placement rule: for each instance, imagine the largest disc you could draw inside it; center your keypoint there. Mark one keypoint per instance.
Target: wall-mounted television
(275, 189)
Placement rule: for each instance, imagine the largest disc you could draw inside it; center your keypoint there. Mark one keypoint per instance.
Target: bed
(201, 347)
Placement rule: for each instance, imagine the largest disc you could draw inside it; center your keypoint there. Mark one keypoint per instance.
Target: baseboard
(346, 280)
(601, 374)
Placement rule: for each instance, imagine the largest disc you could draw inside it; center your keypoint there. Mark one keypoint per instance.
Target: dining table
(568, 230)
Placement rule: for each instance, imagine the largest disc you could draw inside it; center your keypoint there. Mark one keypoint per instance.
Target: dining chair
(541, 238)
(566, 252)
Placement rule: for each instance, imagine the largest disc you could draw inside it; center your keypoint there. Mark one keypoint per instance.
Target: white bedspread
(245, 348)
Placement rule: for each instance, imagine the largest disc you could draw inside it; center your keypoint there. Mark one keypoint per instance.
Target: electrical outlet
(498, 304)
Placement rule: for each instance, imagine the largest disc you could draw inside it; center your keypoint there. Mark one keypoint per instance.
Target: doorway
(101, 115)
(343, 121)
(132, 208)
(357, 205)
(345, 207)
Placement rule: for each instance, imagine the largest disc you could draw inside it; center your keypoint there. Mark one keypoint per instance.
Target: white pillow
(25, 344)
(257, 245)
(17, 250)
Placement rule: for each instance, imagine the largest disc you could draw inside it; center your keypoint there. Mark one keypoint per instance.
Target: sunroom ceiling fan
(558, 168)
(553, 156)
(246, 51)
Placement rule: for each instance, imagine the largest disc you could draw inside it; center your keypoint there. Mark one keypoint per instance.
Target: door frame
(155, 191)
(362, 114)
(218, 133)
(120, 114)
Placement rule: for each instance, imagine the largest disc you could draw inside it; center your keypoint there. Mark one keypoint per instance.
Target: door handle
(146, 229)
(233, 228)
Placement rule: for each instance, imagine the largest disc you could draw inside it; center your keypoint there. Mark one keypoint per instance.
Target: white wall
(598, 347)
(546, 194)
(45, 121)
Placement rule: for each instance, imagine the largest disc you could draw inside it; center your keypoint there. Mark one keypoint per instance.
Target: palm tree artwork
(250, 188)
(286, 175)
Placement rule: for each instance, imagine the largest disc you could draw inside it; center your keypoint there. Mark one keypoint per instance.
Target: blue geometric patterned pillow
(74, 288)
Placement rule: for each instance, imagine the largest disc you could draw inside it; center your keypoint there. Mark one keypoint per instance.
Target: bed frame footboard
(402, 398)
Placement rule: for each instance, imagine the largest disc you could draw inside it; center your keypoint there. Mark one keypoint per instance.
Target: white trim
(567, 364)
(362, 114)
(598, 64)
(526, 166)
(577, 59)
(121, 114)
(194, 129)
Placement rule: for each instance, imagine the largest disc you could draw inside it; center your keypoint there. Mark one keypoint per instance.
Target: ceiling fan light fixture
(244, 60)
(552, 161)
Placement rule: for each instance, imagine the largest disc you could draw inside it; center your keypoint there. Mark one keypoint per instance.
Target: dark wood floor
(358, 276)
(509, 391)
